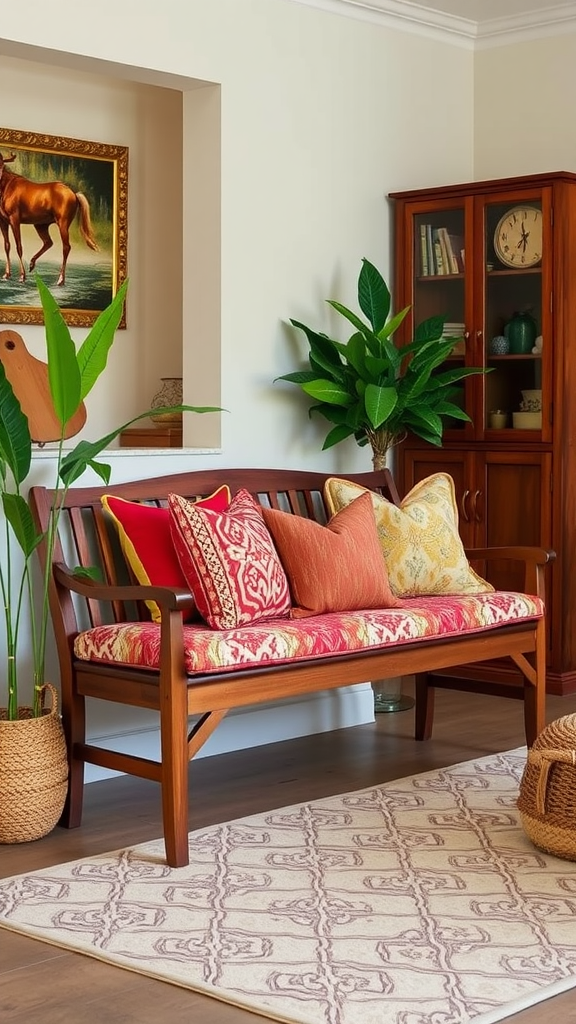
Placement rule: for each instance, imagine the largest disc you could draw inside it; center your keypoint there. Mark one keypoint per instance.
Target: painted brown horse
(41, 204)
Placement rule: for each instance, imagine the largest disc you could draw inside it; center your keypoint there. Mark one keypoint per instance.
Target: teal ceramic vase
(521, 333)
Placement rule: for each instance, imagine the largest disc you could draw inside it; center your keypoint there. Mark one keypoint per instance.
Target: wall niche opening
(171, 126)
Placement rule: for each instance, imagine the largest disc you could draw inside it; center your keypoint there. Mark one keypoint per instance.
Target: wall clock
(518, 237)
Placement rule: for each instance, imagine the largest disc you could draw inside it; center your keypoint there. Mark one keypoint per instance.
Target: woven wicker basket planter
(547, 800)
(33, 772)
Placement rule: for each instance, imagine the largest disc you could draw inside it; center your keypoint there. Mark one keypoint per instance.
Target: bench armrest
(534, 559)
(167, 598)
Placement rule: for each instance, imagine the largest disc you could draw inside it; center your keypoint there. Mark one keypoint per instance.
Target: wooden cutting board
(29, 379)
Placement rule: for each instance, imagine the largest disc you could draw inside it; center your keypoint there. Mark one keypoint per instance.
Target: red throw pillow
(229, 561)
(334, 568)
(145, 539)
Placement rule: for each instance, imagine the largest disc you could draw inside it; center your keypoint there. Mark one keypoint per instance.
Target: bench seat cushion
(276, 641)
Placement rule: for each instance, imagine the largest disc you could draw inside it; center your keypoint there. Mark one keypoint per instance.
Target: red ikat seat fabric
(276, 641)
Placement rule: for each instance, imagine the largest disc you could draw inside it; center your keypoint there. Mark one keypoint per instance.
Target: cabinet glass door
(439, 284)
(513, 310)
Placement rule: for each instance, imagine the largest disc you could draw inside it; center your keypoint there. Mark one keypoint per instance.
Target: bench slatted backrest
(87, 537)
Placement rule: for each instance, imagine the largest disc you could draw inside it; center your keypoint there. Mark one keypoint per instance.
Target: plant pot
(33, 772)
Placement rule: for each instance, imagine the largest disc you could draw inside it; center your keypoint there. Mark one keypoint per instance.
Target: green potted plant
(374, 390)
(33, 761)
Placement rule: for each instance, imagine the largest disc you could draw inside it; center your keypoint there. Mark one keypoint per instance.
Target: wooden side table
(161, 436)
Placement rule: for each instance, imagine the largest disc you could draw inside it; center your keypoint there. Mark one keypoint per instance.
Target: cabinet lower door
(503, 499)
(517, 508)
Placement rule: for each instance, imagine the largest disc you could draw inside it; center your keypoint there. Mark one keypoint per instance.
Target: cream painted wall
(305, 122)
(321, 116)
(527, 126)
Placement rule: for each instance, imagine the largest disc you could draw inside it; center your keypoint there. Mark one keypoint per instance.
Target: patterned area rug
(420, 901)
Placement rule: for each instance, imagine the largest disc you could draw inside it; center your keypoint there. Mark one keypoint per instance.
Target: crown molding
(424, 21)
(546, 22)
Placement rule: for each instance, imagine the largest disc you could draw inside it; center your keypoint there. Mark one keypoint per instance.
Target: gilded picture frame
(55, 193)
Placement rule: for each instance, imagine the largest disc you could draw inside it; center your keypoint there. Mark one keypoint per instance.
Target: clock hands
(524, 238)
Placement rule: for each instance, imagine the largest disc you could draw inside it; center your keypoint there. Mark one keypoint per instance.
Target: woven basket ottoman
(547, 799)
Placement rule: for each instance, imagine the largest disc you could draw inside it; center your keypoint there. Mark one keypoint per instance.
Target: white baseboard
(240, 729)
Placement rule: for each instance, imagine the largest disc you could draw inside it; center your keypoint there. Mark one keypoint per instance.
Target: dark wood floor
(41, 984)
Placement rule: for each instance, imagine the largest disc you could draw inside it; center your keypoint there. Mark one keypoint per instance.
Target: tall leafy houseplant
(72, 375)
(373, 390)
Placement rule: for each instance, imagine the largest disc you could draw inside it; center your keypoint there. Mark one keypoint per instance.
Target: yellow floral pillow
(422, 547)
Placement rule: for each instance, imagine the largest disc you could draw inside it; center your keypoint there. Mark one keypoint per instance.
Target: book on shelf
(451, 261)
(430, 249)
(441, 252)
(438, 253)
(457, 245)
(447, 258)
(424, 251)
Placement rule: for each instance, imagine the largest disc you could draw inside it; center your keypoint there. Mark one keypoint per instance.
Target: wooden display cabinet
(478, 253)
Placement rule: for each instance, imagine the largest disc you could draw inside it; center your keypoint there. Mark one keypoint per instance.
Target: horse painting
(41, 204)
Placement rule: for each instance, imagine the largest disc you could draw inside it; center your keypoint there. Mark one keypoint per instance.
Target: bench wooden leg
(535, 695)
(424, 710)
(174, 781)
(74, 725)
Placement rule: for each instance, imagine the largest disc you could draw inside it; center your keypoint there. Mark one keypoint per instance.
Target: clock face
(518, 237)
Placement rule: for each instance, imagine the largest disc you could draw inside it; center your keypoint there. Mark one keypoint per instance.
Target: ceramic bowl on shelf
(527, 420)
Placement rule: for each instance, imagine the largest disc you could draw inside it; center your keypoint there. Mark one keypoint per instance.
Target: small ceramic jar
(498, 419)
(499, 346)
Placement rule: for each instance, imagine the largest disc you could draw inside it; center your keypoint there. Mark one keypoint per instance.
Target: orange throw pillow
(334, 568)
(146, 541)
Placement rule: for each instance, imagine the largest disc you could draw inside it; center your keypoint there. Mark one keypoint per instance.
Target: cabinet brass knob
(476, 513)
(464, 506)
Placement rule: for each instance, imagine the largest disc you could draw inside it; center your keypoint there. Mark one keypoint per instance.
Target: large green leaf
(373, 295)
(299, 376)
(425, 417)
(430, 329)
(18, 514)
(430, 355)
(371, 338)
(15, 441)
(328, 391)
(324, 353)
(336, 435)
(418, 374)
(377, 367)
(452, 410)
(458, 373)
(93, 353)
(63, 369)
(356, 416)
(356, 355)
(393, 324)
(380, 403)
(332, 413)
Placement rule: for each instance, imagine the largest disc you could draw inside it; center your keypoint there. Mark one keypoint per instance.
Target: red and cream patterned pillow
(146, 542)
(229, 561)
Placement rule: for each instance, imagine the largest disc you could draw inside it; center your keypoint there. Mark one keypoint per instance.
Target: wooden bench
(77, 604)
